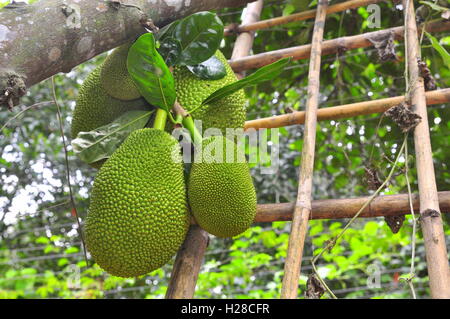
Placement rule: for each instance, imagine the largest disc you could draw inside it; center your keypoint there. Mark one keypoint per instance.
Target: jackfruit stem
(160, 119)
(196, 136)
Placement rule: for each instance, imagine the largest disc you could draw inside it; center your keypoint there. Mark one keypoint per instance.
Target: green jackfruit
(95, 108)
(229, 112)
(221, 194)
(114, 75)
(138, 216)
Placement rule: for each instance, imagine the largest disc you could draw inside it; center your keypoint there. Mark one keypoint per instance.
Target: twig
(376, 135)
(23, 111)
(66, 157)
(412, 271)
(331, 243)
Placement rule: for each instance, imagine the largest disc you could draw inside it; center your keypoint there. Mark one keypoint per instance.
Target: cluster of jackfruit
(141, 205)
(103, 97)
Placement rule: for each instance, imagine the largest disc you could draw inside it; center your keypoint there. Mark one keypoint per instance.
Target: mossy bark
(52, 36)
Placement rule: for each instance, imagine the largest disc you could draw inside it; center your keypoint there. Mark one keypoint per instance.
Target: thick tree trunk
(52, 36)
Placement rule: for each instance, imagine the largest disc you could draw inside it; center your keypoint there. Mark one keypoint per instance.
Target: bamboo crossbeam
(328, 47)
(345, 111)
(300, 16)
(190, 257)
(381, 206)
(431, 221)
(302, 211)
(386, 205)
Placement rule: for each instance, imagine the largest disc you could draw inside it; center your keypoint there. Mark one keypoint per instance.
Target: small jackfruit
(221, 193)
(229, 112)
(114, 75)
(95, 108)
(138, 216)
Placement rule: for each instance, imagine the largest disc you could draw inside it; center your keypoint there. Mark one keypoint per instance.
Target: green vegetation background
(40, 254)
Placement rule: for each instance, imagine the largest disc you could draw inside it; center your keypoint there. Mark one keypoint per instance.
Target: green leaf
(200, 35)
(166, 31)
(265, 73)
(440, 49)
(288, 9)
(102, 142)
(71, 250)
(62, 262)
(300, 5)
(170, 50)
(435, 6)
(211, 69)
(42, 240)
(49, 249)
(150, 73)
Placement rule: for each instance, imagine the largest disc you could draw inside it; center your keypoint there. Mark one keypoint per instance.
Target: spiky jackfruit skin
(229, 112)
(114, 75)
(138, 215)
(95, 108)
(221, 194)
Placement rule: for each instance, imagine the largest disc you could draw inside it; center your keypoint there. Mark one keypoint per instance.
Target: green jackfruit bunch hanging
(141, 200)
(96, 107)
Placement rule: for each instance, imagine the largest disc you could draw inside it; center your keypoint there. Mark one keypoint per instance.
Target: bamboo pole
(328, 47)
(431, 221)
(300, 16)
(187, 264)
(190, 257)
(386, 205)
(244, 41)
(302, 210)
(345, 111)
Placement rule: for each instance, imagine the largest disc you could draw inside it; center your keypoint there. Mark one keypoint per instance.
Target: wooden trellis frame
(428, 202)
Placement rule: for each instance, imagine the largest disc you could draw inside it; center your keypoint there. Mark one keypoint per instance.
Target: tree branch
(52, 36)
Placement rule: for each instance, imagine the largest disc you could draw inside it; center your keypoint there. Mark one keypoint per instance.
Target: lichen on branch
(42, 39)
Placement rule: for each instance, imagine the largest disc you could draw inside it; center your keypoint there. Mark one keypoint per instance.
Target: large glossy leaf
(435, 6)
(170, 50)
(150, 73)
(166, 31)
(265, 73)
(211, 69)
(101, 143)
(200, 35)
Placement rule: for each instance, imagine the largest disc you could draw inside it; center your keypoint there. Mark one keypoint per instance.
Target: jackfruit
(229, 112)
(221, 193)
(95, 108)
(114, 75)
(138, 215)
